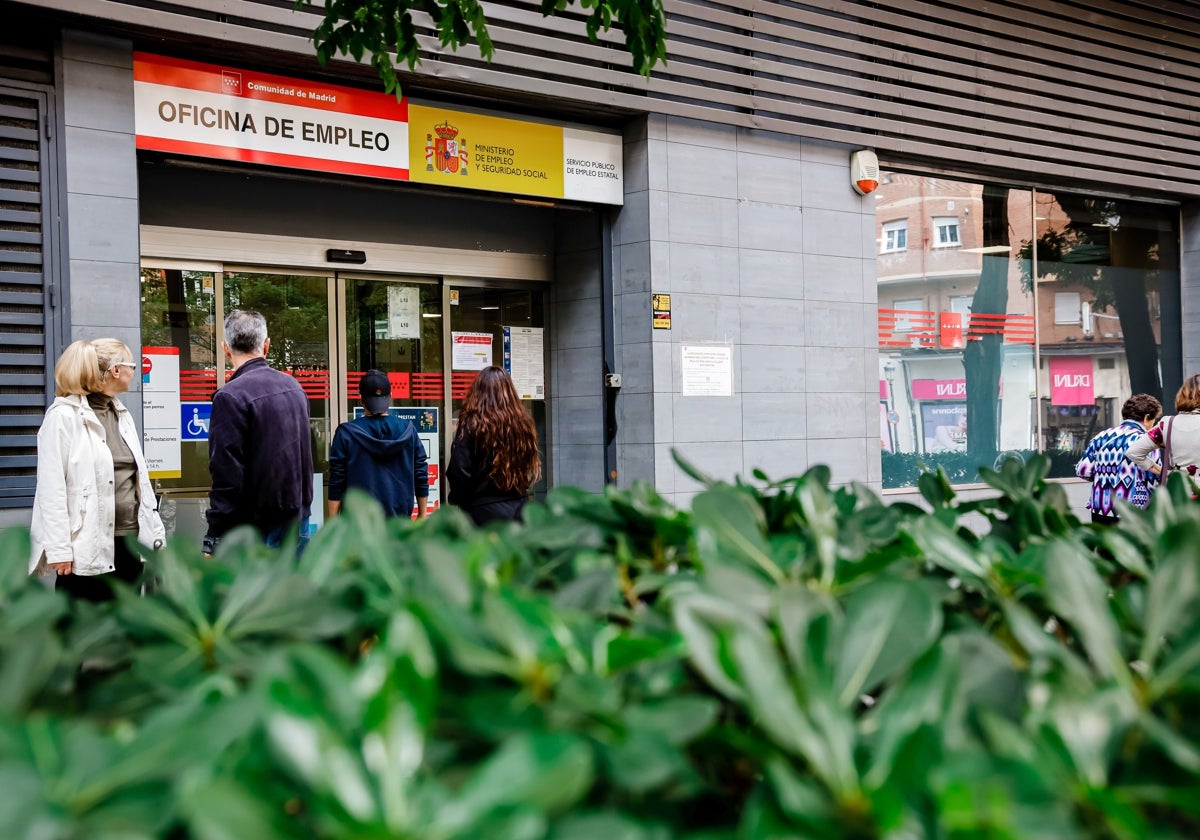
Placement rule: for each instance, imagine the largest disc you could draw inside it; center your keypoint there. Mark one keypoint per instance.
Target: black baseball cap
(375, 389)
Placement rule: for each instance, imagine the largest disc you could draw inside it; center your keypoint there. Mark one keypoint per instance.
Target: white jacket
(74, 506)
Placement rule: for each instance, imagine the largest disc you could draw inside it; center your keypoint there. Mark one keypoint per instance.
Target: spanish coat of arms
(447, 153)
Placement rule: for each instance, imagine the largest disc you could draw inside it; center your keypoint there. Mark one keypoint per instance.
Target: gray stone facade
(102, 192)
(762, 245)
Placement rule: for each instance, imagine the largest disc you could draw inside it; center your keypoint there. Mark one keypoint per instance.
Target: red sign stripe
(212, 78)
(183, 147)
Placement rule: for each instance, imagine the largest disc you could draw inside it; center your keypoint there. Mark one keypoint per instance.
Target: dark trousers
(507, 510)
(1103, 519)
(96, 587)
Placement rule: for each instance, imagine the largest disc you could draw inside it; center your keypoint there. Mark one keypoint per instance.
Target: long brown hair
(1188, 398)
(504, 432)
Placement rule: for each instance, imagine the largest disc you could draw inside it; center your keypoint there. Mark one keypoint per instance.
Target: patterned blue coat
(1114, 476)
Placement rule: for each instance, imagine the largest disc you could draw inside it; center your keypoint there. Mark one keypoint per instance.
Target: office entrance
(430, 334)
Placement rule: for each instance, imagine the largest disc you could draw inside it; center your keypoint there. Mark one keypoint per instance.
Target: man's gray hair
(245, 331)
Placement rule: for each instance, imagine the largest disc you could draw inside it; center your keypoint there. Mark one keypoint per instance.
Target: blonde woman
(92, 486)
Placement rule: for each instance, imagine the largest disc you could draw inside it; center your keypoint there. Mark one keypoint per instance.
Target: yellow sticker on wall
(460, 149)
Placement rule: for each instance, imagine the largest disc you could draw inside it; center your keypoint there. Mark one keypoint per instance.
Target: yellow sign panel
(460, 149)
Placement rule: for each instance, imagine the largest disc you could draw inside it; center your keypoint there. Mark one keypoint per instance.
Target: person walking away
(93, 489)
(1114, 476)
(494, 458)
(1177, 436)
(259, 442)
(379, 453)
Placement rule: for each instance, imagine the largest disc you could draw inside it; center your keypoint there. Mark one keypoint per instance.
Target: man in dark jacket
(379, 453)
(259, 442)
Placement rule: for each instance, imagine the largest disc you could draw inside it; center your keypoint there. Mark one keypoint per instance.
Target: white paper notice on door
(525, 361)
(707, 370)
(404, 312)
(472, 350)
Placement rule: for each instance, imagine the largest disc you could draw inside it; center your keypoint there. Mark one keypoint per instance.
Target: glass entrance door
(431, 338)
(395, 325)
(506, 328)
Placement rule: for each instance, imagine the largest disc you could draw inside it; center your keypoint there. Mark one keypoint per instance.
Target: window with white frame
(961, 304)
(1068, 308)
(945, 232)
(895, 236)
(904, 312)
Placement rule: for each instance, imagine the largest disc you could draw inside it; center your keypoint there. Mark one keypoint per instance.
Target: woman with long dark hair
(494, 459)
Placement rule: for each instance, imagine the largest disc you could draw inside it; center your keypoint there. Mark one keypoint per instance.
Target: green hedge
(904, 469)
(784, 660)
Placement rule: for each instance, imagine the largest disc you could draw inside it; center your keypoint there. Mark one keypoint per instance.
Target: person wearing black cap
(379, 453)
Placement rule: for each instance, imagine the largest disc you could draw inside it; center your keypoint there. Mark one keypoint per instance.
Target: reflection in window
(945, 232)
(895, 236)
(958, 325)
(1067, 308)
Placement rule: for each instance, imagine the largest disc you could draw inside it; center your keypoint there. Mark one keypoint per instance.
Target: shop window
(895, 237)
(1067, 308)
(966, 392)
(945, 232)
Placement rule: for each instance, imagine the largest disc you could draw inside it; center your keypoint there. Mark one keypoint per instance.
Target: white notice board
(525, 361)
(707, 370)
(472, 350)
(160, 412)
(404, 312)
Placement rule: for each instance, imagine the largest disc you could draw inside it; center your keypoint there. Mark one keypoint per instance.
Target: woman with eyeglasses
(93, 489)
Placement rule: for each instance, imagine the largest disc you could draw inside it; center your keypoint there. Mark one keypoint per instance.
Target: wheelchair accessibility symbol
(193, 420)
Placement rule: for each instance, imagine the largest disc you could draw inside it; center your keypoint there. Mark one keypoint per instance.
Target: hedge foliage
(783, 660)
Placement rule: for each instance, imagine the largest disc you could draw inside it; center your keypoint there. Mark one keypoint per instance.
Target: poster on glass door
(525, 361)
(471, 350)
(404, 312)
(160, 412)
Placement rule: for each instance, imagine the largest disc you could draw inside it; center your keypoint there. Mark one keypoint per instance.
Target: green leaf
(736, 526)
(1075, 591)
(543, 770)
(888, 625)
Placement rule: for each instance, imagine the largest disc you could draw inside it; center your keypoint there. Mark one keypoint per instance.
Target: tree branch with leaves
(384, 30)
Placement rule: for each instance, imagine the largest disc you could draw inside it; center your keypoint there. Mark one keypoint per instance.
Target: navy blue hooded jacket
(384, 457)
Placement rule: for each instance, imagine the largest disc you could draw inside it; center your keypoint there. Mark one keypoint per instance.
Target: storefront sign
(707, 370)
(1071, 381)
(525, 361)
(207, 110)
(160, 411)
(939, 389)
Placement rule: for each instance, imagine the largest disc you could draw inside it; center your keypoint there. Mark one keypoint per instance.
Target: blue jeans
(274, 537)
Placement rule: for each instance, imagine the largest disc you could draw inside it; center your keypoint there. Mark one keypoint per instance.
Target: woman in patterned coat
(1105, 464)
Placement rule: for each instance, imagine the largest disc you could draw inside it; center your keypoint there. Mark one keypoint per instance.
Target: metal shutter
(24, 306)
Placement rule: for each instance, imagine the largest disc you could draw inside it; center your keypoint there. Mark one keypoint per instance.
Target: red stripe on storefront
(194, 75)
(184, 147)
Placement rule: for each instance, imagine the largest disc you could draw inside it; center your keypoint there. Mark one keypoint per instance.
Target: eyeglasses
(130, 365)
